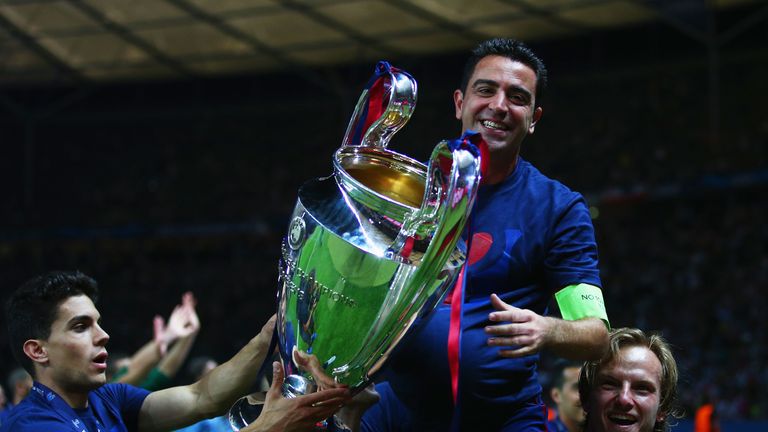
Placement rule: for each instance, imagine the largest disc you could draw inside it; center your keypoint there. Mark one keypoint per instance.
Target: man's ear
(554, 393)
(35, 350)
(458, 102)
(537, 113)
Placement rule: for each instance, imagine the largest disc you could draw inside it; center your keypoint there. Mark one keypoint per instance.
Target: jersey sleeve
(128, 398)
(572, 257)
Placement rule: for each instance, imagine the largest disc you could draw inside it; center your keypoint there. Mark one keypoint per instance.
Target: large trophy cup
(370, 248)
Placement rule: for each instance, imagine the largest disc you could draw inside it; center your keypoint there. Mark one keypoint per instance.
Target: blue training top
(111, 408)
(532, 236)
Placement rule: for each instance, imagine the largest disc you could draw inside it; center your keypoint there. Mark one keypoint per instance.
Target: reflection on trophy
(369, 249)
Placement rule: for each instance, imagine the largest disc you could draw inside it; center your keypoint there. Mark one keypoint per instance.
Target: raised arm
(187, 326)
(180, 406)
(217, 390)
(181, 323)
(141, 363)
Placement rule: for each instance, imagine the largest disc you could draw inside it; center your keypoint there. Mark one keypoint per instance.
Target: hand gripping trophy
(370, 248)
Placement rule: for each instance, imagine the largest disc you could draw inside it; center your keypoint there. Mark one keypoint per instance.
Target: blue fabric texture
(111, 408)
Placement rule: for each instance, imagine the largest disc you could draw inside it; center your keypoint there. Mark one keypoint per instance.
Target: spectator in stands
(20, 383)
(154, 366)
(706, 419)
(565, 395)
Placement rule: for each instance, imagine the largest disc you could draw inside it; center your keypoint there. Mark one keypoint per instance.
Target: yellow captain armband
(582, 301)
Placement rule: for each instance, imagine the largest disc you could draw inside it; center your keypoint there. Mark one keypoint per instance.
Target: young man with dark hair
(633, 387)
(55, 332)
(565, 395)
(473, 362)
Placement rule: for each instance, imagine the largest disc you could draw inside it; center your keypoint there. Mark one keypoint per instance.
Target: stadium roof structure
(61, 41)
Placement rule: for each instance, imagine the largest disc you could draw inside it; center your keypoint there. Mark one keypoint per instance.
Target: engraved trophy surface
(370, 248)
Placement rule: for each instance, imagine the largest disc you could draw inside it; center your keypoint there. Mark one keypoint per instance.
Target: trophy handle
(453, 176)
(384, 107)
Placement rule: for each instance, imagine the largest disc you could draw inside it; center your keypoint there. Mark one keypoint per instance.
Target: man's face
(627, 392)
(567, 398)
(76, 357)
(499, 103)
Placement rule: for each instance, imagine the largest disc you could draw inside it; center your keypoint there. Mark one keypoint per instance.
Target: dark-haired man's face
(74, 357)
(567, 397)
(626, 395)
(499, 102)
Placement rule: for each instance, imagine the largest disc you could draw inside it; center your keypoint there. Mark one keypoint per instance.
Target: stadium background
(159, 185)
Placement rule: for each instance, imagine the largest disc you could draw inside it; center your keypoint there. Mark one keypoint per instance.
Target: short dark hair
(558, 378)
(621, 338)
(34, 306)
(513, 50)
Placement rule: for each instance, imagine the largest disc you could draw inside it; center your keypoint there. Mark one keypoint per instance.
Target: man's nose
(498, 102)
(101, 337)
(624, 398)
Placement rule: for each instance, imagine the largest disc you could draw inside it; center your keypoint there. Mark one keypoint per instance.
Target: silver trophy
(369, 249)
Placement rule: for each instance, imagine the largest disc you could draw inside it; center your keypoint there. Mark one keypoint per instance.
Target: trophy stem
(245, 411)
(297, 385)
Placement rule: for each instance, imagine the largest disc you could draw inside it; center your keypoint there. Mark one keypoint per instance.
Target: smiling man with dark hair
(472, 363)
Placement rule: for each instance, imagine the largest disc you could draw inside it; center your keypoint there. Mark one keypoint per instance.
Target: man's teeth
(622, 419)
(493, 125)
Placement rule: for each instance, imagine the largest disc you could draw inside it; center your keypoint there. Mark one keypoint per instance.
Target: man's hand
(299, 413)
(265, 335)
(526, 331)
(352, 412)
(183, 320)
(182, 323)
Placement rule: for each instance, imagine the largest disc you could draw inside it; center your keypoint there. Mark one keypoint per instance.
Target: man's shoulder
(533, 190)
(540, 180)
(118, 393)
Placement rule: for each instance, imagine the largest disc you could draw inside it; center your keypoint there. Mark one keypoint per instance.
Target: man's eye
(518, 99)
(644, 390)
(484, 90)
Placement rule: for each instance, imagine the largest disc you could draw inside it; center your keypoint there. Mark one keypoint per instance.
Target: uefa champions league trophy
(369, 249)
